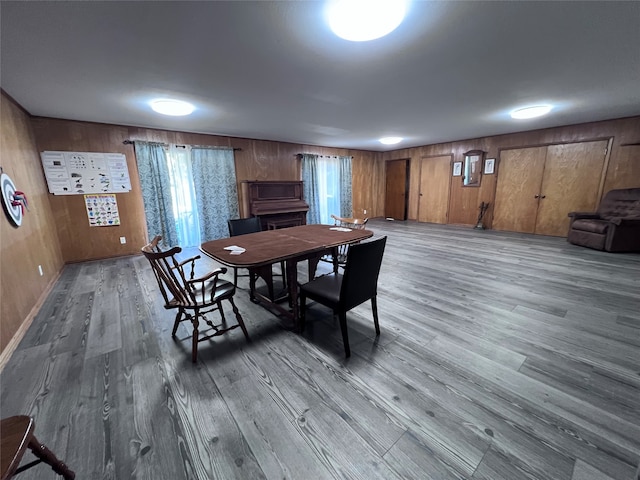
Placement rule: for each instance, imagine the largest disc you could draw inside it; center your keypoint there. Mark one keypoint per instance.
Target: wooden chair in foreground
(339, 256)
(193, 297)
(17, 435)
(341, 293)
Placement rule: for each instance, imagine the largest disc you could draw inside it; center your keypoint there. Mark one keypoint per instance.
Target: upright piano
(278, 204)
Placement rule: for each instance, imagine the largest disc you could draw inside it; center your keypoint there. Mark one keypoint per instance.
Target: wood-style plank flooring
(502, 356)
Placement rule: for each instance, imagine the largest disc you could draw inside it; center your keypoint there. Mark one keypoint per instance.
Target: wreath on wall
(14, 201)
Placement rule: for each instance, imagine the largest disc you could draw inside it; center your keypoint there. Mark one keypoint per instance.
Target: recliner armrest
(577, 215)
(627, 222)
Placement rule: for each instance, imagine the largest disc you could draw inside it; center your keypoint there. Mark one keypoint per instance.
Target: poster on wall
(78, 173)
(102, 210)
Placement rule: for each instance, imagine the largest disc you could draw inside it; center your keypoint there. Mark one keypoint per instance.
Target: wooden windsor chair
(194, 298)
(17, 436)
(338, 256)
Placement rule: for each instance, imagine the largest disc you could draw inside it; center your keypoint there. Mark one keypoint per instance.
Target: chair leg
(303, 308)
(345, 336)
(239, 318)
(47, 456)
(224, 319)
(194, 340)
(252, 285)
(177, 322)
(284, 275)
(374, 309)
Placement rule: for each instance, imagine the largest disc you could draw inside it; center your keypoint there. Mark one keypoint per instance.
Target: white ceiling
(272, 70)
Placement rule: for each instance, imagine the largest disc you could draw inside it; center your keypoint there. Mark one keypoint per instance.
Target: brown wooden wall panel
(255, 160)
(622, 169)
(78, 240)
(35, 242)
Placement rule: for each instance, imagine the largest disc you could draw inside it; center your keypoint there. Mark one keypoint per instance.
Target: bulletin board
(79, 173)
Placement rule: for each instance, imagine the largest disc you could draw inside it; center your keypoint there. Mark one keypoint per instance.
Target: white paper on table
(340, 229)
(235, 250)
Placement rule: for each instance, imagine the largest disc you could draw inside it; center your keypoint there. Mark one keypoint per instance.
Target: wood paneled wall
(255, 160)
(623, 168)
(35, 242)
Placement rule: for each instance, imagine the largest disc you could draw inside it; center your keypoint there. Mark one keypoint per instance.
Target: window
(326, 186)
(182, 195)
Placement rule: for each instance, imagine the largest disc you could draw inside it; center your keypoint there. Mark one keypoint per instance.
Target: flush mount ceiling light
(531, 112)
(390, 140)
(363, 20)
(176, 108)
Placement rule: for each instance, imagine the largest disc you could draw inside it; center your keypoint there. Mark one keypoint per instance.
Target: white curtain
(327, 187)
(182, 195)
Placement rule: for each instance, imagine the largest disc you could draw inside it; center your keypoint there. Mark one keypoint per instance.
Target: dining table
(260, 250)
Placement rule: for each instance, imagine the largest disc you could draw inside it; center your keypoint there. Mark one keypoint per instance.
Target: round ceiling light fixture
(364, 20)
(176, 108)
(531, 112)
(390, 140)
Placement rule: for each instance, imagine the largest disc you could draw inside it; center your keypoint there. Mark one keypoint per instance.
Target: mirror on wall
(472, 168)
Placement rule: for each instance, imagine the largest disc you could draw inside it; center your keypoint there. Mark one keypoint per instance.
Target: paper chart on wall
(76, 173)
(102, 210)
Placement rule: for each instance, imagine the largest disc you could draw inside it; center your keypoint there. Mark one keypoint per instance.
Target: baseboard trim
(6, 354)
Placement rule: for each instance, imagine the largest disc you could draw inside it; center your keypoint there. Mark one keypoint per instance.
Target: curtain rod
(132, 142)
(328, 156)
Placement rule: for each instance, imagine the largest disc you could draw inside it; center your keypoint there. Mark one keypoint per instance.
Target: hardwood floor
(502, 356)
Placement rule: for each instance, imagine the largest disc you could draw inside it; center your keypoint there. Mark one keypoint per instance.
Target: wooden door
(519, 181)
(435, 180)
(397, 189)
(571, 182)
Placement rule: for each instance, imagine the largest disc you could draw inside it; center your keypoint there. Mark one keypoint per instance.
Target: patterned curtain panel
(310, 186)
(214, 180)
(346, 195)
(156, 191)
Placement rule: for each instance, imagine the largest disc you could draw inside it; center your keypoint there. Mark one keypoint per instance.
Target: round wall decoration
(12, 207)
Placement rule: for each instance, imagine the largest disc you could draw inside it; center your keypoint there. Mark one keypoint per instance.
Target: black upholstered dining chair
(193, 297)
(243, 226)
(342, 292)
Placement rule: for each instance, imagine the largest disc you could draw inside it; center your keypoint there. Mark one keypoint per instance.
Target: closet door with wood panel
(519, 181)
(435, 179)
(571, 183)
(537, 187)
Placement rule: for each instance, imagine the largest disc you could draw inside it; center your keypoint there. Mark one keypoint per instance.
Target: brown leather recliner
(615, 227)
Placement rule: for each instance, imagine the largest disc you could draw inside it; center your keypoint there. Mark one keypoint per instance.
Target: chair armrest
(626, 222)
(184, 262)
(192, 261)
(213, 273)
(197, 285)
(577, 215)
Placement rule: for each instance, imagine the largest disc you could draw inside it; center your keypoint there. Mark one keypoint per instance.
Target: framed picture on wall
(457, 169)
(489, 166)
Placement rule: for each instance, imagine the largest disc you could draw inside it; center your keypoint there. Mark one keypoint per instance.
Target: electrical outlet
(365, 211)
(123, 240)
(40, 270)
